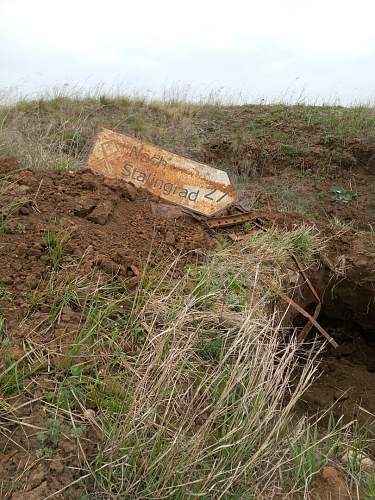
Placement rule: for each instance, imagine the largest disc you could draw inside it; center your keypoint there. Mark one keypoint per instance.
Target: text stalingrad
(172, 177)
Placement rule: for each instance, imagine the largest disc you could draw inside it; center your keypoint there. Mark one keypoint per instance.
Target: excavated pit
(347, 374)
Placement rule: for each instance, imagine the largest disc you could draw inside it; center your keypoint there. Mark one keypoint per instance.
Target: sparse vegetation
(187, 385)
(197, 407)
(56, 240)
(57, 132)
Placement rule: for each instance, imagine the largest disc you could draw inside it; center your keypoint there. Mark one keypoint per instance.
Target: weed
(210, 349)
(52, 434)
(247, 227)
(56, 240)
(4, 294)
(19, 228)
(322, 197)
(356, 453)
(105, 101)
(76, 432)
(370, 488)
(44, 452)
(9, 210)
(344, 195)
(2, 326)
(279, 136)
(288, 150)
(328, 139)
(70, 391)
(306, 456)
(136, 124)
(12, 376)
(302, 241)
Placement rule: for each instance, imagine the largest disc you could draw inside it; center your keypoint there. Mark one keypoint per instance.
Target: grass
(187, 386)
(57, 132)
(56, 240)
(187, 378)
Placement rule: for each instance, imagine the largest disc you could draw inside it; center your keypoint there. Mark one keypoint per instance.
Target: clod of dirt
(101, 213)
(34, 494)
(170, 238)
(129, 191)
(84, 205)
(329, 485)
(367, 465)
(8, 164)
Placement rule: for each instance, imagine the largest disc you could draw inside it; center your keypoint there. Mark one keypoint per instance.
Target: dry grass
(57, 132)
(190, 382)
(194, 380)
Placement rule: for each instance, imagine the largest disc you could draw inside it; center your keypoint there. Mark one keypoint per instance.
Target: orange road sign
(179, 180)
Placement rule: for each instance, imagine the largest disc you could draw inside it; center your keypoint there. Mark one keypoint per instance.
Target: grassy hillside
(187, 384)
(58, 133)
(256, 144)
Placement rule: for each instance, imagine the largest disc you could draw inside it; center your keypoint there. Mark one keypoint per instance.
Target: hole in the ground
(347, 378)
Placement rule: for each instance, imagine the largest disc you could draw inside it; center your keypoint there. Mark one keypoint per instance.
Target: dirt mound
(109, 227)
(106, 224)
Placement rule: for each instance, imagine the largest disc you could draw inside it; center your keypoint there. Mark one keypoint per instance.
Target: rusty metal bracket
(232, 220)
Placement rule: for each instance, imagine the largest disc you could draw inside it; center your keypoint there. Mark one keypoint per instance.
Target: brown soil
(300, 176)
(110, 225)
(329, 485)
(116, 229)
(111, 228)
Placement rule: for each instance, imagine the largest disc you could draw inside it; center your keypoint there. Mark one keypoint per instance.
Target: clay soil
(110, 228)
(113, 228)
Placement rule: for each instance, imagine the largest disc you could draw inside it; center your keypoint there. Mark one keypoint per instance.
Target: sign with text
(194, 185)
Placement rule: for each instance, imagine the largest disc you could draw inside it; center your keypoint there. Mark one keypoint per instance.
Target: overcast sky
(246, 49)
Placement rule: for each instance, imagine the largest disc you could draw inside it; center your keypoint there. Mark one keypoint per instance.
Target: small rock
(67, 313)
(19, 189)
(112, 184)
(131, 283)
(33, 251)
(337, 488)
(101, 213)
(180, 246)
(343, 159)
(32, 282)
(352, 456)
(170, 238)
(109, 266)
(37, 476)
(69, 446)
(122, 257)
(89, 414)
(329, 473)
(24, 210)
(367, 465)
(88, 185)
(134, 269)
(56, 465)
(129, 191)
(84, 205)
